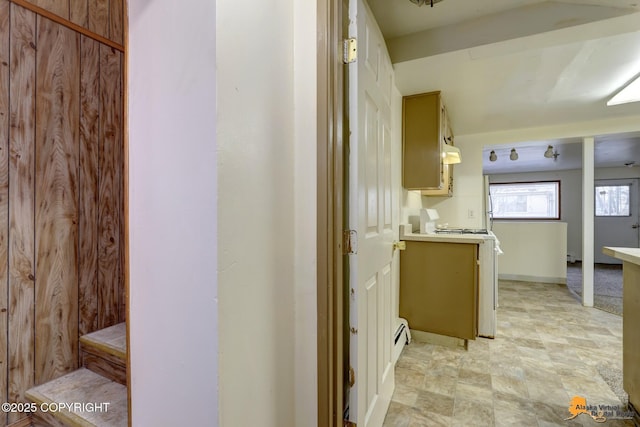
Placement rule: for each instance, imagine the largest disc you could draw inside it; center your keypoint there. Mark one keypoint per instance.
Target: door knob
(636, 225)
(400, 245)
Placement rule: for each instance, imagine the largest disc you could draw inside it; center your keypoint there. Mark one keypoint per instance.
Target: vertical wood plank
(116, 21)
(109, 192)
(98, 11)
(122, 295)
(57, 145)
(59, 7)
(78, 12)
(4, 198)
(21, 207)
(88, 190)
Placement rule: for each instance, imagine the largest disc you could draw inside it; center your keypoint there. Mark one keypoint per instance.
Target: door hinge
(350, 50)
(349, 242)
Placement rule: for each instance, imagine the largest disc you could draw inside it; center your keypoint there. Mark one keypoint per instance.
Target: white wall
(267, 202)
(172, 212)
(468, 189)
(411, 204)
(533, 251)
(617, 173)
(570, 201)
(257, 191)
(571, 196)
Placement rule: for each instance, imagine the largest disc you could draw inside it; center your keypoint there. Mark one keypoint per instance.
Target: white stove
(461, 231)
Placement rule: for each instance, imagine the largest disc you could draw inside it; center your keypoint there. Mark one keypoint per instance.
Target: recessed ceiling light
(630, 93)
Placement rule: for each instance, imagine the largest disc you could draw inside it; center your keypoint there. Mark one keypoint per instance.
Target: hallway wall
(173, 209)
(267, 146)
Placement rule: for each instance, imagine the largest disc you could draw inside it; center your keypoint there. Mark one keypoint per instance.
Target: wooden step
(95, 400)
(105, 352)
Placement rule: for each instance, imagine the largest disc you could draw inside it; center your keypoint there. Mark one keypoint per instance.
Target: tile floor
(547, 349)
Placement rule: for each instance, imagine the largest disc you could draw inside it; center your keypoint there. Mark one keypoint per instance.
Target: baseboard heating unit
(401, 338)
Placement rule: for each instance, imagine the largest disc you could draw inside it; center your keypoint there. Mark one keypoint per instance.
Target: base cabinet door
(439, 288)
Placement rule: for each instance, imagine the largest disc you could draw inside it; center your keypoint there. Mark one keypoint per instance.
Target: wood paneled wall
(102, 17)
(61, 189)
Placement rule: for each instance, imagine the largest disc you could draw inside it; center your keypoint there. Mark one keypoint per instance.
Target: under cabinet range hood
(451, 155)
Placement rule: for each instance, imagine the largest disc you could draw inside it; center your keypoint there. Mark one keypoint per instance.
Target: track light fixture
(493, 156)
(550, 153)
(514, 154)
(421, 2)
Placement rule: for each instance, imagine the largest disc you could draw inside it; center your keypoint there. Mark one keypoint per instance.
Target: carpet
(607, 284)
(612, 375)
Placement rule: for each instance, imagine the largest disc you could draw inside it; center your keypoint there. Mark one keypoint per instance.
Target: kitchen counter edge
(625, 254)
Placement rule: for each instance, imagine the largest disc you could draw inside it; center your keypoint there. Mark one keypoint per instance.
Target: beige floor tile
(509, 385)
(429, 402)
(405, 395)
(440, 384)
(468, 376)
(398, 415)
(508, 418)
(472, 413)
(474, 393)
(429, 419)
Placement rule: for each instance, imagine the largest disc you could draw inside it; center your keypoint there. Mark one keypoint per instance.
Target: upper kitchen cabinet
(425, 129)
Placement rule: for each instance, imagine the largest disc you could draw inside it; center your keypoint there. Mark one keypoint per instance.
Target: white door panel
(611, 228)
(373, 213)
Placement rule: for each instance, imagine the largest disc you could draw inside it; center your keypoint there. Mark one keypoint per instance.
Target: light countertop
(625, 254)
(406, 233)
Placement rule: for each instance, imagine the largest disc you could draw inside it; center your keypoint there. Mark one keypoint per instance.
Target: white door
(371, 214)
(616, 216)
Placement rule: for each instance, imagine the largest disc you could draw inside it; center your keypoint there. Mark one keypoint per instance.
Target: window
(525, 200)
(612, 200)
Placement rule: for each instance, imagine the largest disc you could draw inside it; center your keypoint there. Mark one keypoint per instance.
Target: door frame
(330, 202)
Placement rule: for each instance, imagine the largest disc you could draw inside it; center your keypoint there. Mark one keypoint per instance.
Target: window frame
(629, 201)
(559, 196)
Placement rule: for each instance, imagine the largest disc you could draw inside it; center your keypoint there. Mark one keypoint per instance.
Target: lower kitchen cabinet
(439, 288)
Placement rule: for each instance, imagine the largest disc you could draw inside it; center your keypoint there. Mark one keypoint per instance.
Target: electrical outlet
(471, 213)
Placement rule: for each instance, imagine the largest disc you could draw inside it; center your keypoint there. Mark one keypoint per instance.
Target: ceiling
(511, 64)
(619, 150)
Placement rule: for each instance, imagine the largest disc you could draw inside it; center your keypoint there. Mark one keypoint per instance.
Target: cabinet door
(447, 188)
(422, 142)
(439, 288)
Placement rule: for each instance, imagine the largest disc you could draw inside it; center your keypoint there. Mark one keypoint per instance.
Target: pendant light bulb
(549, 153)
